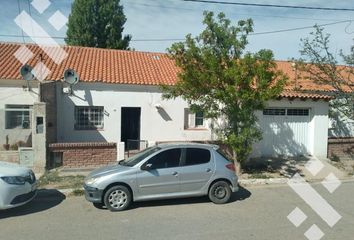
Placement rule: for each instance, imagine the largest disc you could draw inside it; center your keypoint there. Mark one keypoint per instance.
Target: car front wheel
(220, 192)
(117, 198)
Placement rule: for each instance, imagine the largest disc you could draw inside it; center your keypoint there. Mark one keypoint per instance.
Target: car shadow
(45, 199)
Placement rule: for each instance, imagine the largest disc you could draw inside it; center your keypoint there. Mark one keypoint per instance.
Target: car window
(224, 155)
(196, 156)
(166, 159)
(139, 157)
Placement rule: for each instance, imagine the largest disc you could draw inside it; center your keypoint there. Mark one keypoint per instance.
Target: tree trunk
(238, 170)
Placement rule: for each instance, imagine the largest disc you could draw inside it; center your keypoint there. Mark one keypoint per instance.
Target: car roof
(187, 144)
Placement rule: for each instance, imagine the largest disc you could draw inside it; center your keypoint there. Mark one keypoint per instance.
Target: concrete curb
(261, 181)
(68, 191)
(272, 181)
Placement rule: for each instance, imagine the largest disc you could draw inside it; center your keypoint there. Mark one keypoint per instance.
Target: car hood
(12, 169)
(116, 168)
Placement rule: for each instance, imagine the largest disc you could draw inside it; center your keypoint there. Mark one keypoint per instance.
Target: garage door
(285, 131)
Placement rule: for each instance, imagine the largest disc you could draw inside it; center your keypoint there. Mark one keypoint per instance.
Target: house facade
(118, 100)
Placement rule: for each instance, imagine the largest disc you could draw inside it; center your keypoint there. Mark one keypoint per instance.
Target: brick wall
(85, 155)
(341, 148)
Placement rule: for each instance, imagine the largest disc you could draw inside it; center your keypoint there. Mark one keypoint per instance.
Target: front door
(163, 177)
(130, 127)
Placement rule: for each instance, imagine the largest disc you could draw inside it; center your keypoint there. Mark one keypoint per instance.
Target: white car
(18, 185)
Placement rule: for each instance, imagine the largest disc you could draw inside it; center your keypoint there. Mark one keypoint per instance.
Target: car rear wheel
(220, 192)
(117, 198)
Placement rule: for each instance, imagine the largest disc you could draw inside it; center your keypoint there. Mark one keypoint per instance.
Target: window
(166, 159)
(274, 111)
(193, 119)
(18, 116)
(297, 112)
(196, 156)
(89, 118)
(288, 111)
(199, 119)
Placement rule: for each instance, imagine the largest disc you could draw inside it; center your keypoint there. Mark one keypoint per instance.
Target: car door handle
(175, 173)
(208, 170)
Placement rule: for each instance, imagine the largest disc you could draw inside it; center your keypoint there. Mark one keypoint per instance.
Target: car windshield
(132, 161)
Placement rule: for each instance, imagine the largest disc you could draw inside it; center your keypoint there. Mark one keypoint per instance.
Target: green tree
(97, 23)
(322, 66)
(219, 78)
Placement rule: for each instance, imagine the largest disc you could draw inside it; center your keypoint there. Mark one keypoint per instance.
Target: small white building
(119, 98)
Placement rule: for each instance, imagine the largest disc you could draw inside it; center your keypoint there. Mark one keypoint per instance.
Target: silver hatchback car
(163, 171)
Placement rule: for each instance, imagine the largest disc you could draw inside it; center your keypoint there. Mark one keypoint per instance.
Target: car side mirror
(146, 167)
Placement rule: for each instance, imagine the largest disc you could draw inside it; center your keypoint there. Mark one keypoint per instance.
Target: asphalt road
(254, 213)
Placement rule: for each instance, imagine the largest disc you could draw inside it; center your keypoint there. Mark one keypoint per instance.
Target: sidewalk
(323, 165)
(314, 170)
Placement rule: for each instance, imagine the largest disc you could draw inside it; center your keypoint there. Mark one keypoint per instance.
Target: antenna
(26, 72)
(71, 78)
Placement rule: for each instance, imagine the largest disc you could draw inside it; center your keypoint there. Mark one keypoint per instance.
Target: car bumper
(17, 195)
(93, 194)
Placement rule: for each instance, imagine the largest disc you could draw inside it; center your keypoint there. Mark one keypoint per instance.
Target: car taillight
(231, 167)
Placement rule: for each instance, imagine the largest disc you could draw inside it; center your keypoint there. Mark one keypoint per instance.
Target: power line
(255, 15)
(271, 5)
(299, 28)
(181, 39)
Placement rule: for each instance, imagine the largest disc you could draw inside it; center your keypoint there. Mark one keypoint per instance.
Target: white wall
(115, 96)
(317, 127)
(153, 125)
(15, 92)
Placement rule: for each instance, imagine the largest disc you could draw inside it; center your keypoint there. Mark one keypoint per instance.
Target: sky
(148, 20)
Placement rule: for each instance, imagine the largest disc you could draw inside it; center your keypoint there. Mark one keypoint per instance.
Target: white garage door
(285, 131)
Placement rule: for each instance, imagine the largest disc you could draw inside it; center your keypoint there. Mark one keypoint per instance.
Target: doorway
(130, 127)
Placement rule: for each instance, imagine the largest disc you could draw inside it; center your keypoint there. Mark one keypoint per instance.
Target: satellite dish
(26, 72)
(71, 77)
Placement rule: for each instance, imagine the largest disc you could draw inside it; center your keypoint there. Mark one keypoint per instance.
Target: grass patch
(54, 180)
(77, 192)
(259, 175)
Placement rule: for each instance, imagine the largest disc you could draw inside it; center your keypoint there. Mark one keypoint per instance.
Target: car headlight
(96, 180)
(14, 180)
(92, 180)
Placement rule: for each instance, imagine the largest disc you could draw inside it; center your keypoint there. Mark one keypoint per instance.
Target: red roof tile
(96, 65)
(126, 67)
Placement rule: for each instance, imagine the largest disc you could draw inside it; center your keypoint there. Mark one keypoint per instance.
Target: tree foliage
(219, 78)
(322, 66)
(97, 23)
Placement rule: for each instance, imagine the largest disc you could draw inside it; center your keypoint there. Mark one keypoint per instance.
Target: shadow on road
(45, 199)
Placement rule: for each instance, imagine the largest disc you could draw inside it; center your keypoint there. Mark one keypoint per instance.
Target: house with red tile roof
(118, 99)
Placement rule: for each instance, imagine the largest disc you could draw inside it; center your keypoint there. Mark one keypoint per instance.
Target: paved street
(255, 213)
